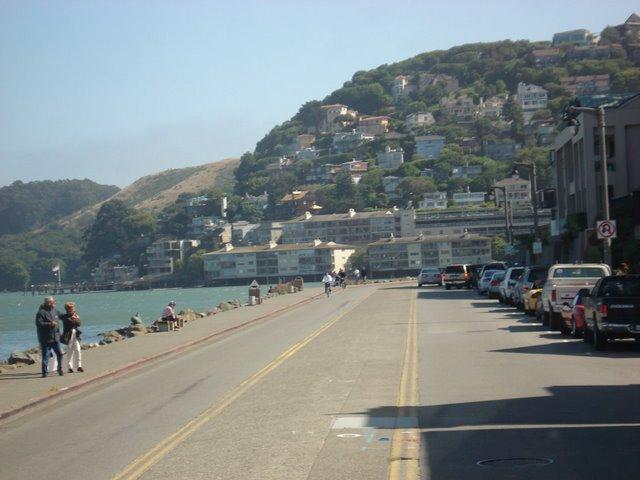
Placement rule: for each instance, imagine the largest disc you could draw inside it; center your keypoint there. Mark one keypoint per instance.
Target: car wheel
(458, 287)
(448, 287)
(554, 324)
(587, 335)
(563, 328)
(599, 340)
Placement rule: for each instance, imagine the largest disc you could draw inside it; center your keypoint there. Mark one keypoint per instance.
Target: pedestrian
(363, 272)
(71, 335)
(169, 314)
(356, 275)
(49, 335)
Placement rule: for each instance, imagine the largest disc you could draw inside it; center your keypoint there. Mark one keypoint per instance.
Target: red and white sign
(606, 229)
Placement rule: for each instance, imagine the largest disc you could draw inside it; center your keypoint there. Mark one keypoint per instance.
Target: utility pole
(602, 128)
(534, 201)
(507, 230)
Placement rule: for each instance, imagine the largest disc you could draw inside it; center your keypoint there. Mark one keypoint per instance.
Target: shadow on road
(590, 432)
(619, 349)
(19, 375)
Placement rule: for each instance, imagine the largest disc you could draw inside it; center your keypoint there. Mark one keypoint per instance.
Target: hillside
(441, 112)
(28, 206)
(29, 256)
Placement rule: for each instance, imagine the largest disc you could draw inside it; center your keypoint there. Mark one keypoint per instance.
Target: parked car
(429, 275)
(525, 283)
(531, 296)
(485, 279)
(573, 315)
(563, 282)
(511, 276)
(494, 284)
(457, 276)
(612, 310)
(492, 266)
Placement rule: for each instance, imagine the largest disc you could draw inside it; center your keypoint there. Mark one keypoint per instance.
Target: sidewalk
(23, 388)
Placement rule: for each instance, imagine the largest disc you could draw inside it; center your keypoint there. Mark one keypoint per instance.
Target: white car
(429, 276)
(505, 291)
(484, 281)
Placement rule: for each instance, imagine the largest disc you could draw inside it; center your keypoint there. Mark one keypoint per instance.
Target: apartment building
(348, 228)
(163, 254)
(433, 200)
(273, 262)
(530, 98)
(397, 256)
(580, 37)
(468, 198)
(577, 168)
(461, 109)
(401, 87)
(518, 192)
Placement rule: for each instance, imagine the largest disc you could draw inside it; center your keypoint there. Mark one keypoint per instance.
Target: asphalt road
(374, 382)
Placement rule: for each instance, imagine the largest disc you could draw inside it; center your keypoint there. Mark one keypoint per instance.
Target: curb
(143, 361)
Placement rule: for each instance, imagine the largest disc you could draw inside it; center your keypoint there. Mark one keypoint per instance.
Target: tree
(310, 114)
(345, 188)
(412, 188)
(250, 212)
(610, 35)
(498, 248)
(366, 99)
(13, 275)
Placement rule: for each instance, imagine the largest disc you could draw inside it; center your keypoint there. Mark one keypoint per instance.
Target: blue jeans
(46, 350)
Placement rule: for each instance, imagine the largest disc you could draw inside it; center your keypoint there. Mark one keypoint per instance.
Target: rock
(224, 306)
(136, 319)
(87, 346)
(236, 303)
(111, 336)
(21, 357)
(138, 328)
(188, 315)
(202, 314)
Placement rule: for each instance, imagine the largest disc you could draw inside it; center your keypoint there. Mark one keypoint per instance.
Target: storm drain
(515, 462)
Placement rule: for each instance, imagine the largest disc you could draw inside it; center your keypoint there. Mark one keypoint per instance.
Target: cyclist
(327, 280)
(342, 278)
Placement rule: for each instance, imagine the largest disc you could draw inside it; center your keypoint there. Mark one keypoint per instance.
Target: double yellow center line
(143, 463)
(405, 445)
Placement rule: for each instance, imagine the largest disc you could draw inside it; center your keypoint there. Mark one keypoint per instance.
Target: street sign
(254, 284)
(606, 229)
(537, 248)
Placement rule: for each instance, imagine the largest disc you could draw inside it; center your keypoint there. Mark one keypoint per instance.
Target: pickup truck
(563, 282)
(612, 310)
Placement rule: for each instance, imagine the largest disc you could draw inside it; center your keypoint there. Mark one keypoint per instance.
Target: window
(578, 272)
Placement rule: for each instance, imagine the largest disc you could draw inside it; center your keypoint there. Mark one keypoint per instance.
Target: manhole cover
(515, 462)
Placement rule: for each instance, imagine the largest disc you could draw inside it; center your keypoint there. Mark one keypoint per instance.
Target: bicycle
(327, 289)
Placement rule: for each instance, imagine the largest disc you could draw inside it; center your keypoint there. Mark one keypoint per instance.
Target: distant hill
(156, 191)
(28, 206)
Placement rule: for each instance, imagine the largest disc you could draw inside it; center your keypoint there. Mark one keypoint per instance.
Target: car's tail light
(604, 310)
(466, 276)
(495, 283)
(444, 277)
(554, 295)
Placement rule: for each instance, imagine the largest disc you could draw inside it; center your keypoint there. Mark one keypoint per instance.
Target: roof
(633, 18)
(282, 248)
(376, 118)
(329, 217)
(422, 138)
(427, 239)
(295, 195)
(512, 180)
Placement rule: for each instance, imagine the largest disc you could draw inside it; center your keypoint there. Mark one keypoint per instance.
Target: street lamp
(534, 201)
(506, 213)
(600, 116)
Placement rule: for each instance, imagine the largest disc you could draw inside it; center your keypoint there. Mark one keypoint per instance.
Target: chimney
(272, 244)
(316, 242)
(307, 215)
(352, 212)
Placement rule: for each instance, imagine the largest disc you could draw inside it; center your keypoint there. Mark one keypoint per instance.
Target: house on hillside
(390, 185)
(461, 110)
(433, 201)
(469, 198)
(547, 57)
(297, 202)
(518, 191)
(348, 141)
(587, 84)
(497, 149)
(390, 158)
(580, 37)
(163, 255)
(429, 146)
(450, 83)
(355, 168)
(419, 119)
(492, 106)
(466, 171)
(375, 125)
(309, 153)
(530, 98)
(401, 87)
(331, 113)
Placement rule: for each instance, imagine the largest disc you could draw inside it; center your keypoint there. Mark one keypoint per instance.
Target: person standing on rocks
(49, 334)
(71, 335)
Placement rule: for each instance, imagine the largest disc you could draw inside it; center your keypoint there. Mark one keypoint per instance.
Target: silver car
(483, 283)
(494, 284)
(511, 276)
(429, 276)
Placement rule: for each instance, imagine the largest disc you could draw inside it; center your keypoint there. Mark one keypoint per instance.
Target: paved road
(374, 382)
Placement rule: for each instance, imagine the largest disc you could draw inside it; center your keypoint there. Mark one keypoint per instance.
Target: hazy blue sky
(113, 90)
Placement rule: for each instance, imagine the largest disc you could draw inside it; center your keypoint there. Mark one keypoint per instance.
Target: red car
(573, 315)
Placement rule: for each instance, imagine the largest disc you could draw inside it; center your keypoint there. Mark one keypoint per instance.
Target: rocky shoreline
(136, 328)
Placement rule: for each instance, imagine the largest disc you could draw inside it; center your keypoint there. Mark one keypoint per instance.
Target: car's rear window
(430, 270)
(578, 272)
(536, 274)
(496, 266)
(488, 273)
(621, 287)
(454, 269)
(498, 276)
(516, 273)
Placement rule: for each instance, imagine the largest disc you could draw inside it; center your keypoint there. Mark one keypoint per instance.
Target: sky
(114, 90)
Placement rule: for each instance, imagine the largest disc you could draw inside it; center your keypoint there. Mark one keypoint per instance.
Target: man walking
(49, 334)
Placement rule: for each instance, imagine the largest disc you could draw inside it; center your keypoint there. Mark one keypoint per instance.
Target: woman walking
(71, 335)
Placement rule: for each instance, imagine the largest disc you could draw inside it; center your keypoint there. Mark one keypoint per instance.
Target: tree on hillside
(367, 99)
(345, 188)
(310, 114)
(13, 275)
(117, 230)
(412, 188)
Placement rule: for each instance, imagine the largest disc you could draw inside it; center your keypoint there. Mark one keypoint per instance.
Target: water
(100, 312)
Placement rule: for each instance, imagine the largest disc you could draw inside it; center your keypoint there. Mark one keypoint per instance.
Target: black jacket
(47, 333)
(69, 323)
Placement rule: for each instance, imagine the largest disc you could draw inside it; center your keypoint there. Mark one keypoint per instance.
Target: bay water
(103, 311)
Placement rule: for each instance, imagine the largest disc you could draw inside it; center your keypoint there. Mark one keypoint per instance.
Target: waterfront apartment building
(273, 262)
(397, 256)
(163, 254)
(390, 158)
(577, 171)
(485, 221)
(348, 228)
(429, 146)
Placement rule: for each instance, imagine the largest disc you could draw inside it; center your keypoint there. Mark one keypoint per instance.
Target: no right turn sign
(606, 229)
